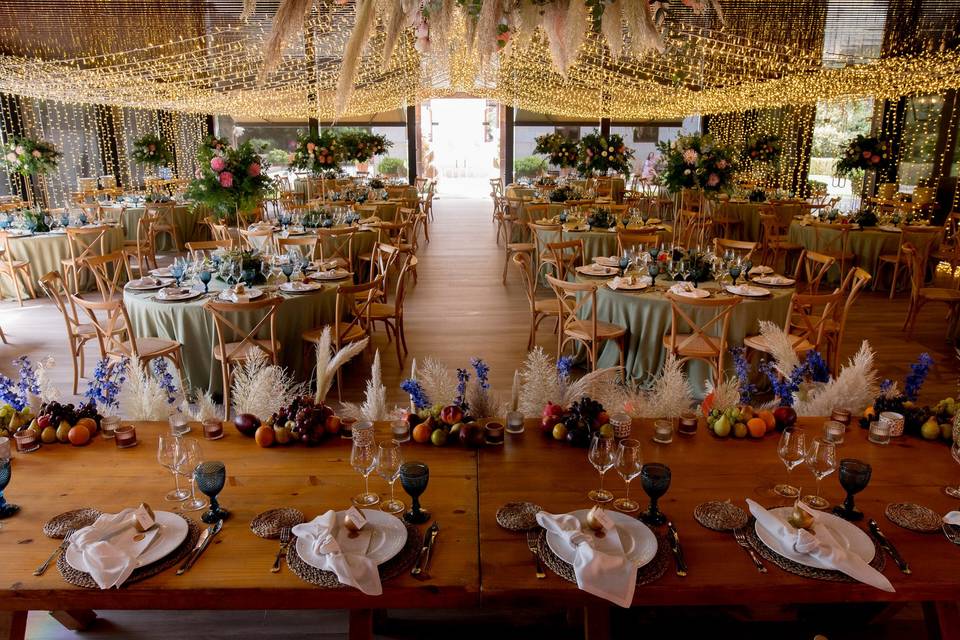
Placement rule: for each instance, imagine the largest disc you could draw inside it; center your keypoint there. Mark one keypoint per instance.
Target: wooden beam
(506, 137)
(605, 127)
(412, 136)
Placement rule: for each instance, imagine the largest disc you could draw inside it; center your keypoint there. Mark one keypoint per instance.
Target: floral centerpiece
(213, 143)
(564, 193)
(695, 162)
(317, 154)
(562, 152)
(602, 218)
(151, 150)
(865, 152)
(763, 148)
(904, 401)
(28, 157)
(601, 154)
(230, 179)
(360, 146)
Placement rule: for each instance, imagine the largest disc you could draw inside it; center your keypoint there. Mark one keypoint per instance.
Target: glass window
(836, 123)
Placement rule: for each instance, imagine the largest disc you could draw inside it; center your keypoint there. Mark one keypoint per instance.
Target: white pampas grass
(203, 408)
(437, 382)
(486, 40)
(374, 407)
(260, 388)
(726, 394)
(328, 363)
(48, 390)
(528, 19)
(483, 403)
(539, 383)
(575, 32)
(394, 19)
(854, 388)
(666, 397)
(141, 396)
(287, 22)
(554, 25)
(351, 53)
(781, 347)
(611, 24)
(598, 384)
(644, 35)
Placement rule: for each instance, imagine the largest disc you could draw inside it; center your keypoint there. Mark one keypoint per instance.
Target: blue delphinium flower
(784, 387)
(165, 378)
(886, 385)
(462, 378)
(104, 387)
(413, 389)
(483, 372)
(816, 367)
(9, 393)
(917, 376)
(28, 377)
(564, 367)
(742, 367)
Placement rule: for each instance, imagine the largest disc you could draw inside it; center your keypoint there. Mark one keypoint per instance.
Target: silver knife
(201, 546)
(677, 551)
(887, 546)
(423, 560)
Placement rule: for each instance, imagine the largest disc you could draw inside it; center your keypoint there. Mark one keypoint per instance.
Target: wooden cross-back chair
(13, 268)
(774, 241)
(834, 240)
(337, 245)
(163, 212)
(257, 239)
(812, 268)
(382, 258)
(949, 249)
(567, 255)
(305, 245)
(740, 248)
(635, 238)
(920, 295)
(855, 282)
(544, 234)
(806, 325)
(574, 298)
(700, 343)
(921, 238)
(228, 350)
(391, 313)
(111, 272)
(201, 249)
(92, 210)
(539, 309)
(143, 248)
(78, 333)
(695, 227)
(84, 242)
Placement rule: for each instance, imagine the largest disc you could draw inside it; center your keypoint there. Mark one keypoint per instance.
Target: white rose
(11, 157)
(18, 149)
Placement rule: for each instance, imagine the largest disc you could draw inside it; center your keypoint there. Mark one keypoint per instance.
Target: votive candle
(400, 430)
(212, 429)
(879, 432)
(346, 427)
(841, 415)
(27, 440)
(494, 433)
(515, 422)
(663, 431)
(833, 431)
(108, 425)
(688, 423)
(125, 436)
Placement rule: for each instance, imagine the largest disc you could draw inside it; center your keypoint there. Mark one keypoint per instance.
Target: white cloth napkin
(232, 295)
(108, 548)
(687, 289)
(821, 545)
(628, 281)
(600, 564)
(332, 549)
(775, 279)
(952, 518)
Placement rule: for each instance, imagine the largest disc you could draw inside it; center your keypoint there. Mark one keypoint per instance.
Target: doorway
(460, 145)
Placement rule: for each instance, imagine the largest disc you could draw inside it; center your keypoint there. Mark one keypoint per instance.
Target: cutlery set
(423, 560)
(202, 543)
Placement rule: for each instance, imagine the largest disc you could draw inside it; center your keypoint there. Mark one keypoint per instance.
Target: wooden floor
(458, 310)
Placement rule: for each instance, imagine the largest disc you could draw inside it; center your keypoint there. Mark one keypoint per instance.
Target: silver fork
(284, 543)
(532, 545)
(39, 571)
(741, 539)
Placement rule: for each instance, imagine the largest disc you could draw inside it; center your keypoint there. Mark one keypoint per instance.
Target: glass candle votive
(622, 425)
(178, 424)
(400, 430)
(515, 422)
(27, 440)
(109, 425)
(494, 433)
(833, 431)
(125, 437)
(688, 423)
(842, 416)
(346, 427)
(363, 433)
(5, 453)
(663, 431)
(212, 429)
(879, 432)
(895, 422)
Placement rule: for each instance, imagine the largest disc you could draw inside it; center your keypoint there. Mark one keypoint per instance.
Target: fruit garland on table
(866, 153)
(562, 152)
(151, 150)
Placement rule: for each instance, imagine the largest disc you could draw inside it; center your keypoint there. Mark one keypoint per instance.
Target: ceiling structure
(199, 56)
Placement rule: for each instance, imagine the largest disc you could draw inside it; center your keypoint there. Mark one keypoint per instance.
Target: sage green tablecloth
(647, 318)
(44, 251)
(867, 244)
(184, 220)
(192, 326)
(749, 214)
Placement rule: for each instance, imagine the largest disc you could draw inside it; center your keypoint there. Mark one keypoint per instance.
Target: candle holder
(108, 426)
(125, 436)
(27, 440)
(842, 416)
(494, 433)
(6, 509)
(400, 430)
(895, 421)
(414, 477)
(879, 433)
(178, 424)
(514, 422)
(622, 425)
(212, 429)
(210, 478)
(663, 431)
(346, 428)
(688, 423)
(833, 431)
(363, 433)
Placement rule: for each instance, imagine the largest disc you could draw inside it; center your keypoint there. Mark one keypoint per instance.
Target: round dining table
(647, 317)
(185, 220)
(44, 251)
(193, 327)
(867, 244)
(749, 215)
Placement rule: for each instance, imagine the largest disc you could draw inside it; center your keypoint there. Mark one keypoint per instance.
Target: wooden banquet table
(647, 317)
(475, 561)
(44, 251)
(192, 326)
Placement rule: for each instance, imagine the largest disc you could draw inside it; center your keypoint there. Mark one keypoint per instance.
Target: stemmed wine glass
(628, 463)
(177, 270)
(854, 476)
(210, 476)
(655, 480)
(601, 456)
(792, 450)
(363, 459)
(735, 270)
(821, 459)
(287, 268)
(624, 262)
(6, 509)
(653, 270)
(168, 452)
(187, 461)
(414, 477)
(389, 461)
(954, 492)
(205, 277)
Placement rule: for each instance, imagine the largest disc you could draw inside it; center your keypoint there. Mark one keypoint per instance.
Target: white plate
(889, 227)
(20, 233)
(853, 539)
(387, 539)
(173, 531)
(163, 272)
(639, 542)
(691, 293)
(251, 294)
(305, 287)
(760, 270)
(605, 261)
(747, 291)
(639, 285)
(177, 295)
(137, 285)
(335, 274)
(767, 280)
(597, 270)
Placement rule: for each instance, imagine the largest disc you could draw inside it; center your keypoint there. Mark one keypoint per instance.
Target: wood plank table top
(531, 467)
(234, 573)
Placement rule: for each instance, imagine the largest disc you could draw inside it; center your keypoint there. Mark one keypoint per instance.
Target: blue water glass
(177, 270)
(6, 509)
(249, 275)
(287, 269)
(735, 273)
(653, 270)
(205, 276)
(82, 218)
(623, 264)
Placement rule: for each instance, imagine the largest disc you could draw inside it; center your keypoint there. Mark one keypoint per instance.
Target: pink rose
(226, 179)
(866, 154)
(875, 159)
(311, 146)
(690, 156)
(218, 164)
(152, 147)
(713, 180)
(253, 170)
(722, 164)
(36, 154)
(198, 174)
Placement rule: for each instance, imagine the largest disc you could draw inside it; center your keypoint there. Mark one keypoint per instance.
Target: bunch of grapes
(308, 418)
(580, 420)
(71, 413)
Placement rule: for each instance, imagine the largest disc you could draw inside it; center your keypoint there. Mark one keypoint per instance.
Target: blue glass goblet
(414, 477)
(82, 218)
(6, 509)
(735, 273)
(655, 480)
(176, 270)
(654, 252)
(248, 276)
(205, 276)
(287, 269)
(623, 264)
(653, 269)
(210, 477)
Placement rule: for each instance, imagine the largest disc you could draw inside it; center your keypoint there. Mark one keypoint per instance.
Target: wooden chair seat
(760, 343)
(380, 310)
(240, 350)
(548, 306)
(940, 294)
(692, 346)
(580, 329)
(892, 257)
(521, 246)
(352, 334)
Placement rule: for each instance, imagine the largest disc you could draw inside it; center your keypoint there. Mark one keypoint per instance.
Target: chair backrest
(544, 234)
(496, 187)
(386, 211)
(6, 251)
(406, 214)
(711, 334)
(200, 249)
(696, 226)
(522, 260)
(812, 268)
(740, 248)
(353, 306)
(917, 268)
(162, 210)
(537, 211)
(567, 255)
(228, 332)
(922, 238)
(92, 210)
(515, 207)
(257, 239)
(853, 284)
(52, 284)
(381, 259)
(220, 231)
(85, 242)
(306, 245)
(336, 243)
(409, 264)
(832, 238)
(574, 297)
(110, 271)
(112, 326)
(810, 315)
(634, 237)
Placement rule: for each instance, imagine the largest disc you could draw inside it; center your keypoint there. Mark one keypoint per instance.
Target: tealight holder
(27, 440)
(514, 422)
(178, 424)
(833, 431)
(622, 425)
(842, 416)
(494, 433)
(212, 429)
(895, 422)
(663, 432)
(688, 423)
(879, 432)
(125, 436)
(346, 428)
(400, 430)
(108, 426)
(363, 433)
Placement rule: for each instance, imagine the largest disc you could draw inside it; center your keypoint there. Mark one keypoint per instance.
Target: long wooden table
(476, 562)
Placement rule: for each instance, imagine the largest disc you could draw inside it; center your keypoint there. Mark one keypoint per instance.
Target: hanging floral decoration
(602, 154)
(360, 146)
(865, 152)
(562, 152)
(695, 162)
(151, 150)
(28, 157)
(764, 149)
(214, 143)
(317, 153)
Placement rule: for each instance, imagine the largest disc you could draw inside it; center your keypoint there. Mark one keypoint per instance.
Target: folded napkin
(600, 564)
(147, 281)
(331, 548)
(236, 293)
(109, 548)
(687, 290)
(821, 545)
(952, 518)
(629, 281)
(760, 270)
(776, 279)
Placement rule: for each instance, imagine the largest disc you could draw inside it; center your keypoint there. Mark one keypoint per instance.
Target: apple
(43, 421)
(553, 410)
(472, 435)
(247, 424)
(451, 414)
(332, 425)
(547, 423)
(438, 437)
(785, 417)
(602, 418)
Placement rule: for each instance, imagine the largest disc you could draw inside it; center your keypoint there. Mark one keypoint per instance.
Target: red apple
(472, 435)
(43, 421)
(247, 424)
(332, 425)
(785, 417)
(451, 414)
(602, 418)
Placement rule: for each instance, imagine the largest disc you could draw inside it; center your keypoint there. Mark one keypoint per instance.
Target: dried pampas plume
(142, 397)
(393, 19)
(286, 23)
(726, 394)
(260, 388)
(854, 388)
(539, 383)
(666, 397)
(644, 35)
(203, 408)
(611, 24)
(437, 382)
(351, 53)
(374, 407)
(328, 364)
(598, 385)
(781, 347)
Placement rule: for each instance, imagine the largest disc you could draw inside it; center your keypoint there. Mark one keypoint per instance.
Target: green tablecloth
(595, 243)
(867, 244)
(647, 318)
(193, 327)
(185, 221)
(749, 214)
(44, 252)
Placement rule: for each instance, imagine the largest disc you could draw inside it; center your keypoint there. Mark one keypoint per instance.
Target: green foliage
(277, 156)
(230, 179)
(865, 153)
(392, 167)
(562, 152)
(151, 150)
(357, 145)
(261, 145)
(317, 154)
(529, 166)
(600, 154)
(27, 156)
(695, 162)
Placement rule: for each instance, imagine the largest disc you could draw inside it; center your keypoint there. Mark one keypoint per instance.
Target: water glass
(655, 480)
(601, 456)
(389, 461)
(210, 476)
(363, 459)
(414, 477)
(854, 476)
(6, 470)
(792, 450)
(629, 464)
(188, 459)
(821, 459)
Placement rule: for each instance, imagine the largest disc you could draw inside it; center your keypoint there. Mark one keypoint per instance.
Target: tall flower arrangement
(562, 153)
(601, 154)
(763, 148)
(695, 162)
(360, 146)
(151, 150)
(28, 157)
(865, 152)
(317, 154)
(229, 179)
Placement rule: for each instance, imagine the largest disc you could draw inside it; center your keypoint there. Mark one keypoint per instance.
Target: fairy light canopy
(201, 56)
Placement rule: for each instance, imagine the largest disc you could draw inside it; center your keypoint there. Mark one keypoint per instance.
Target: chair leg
(893, 279)
(398, 345)
(533, 330)
(402, 334)
(225, 377)
(76, 370)
(29, 279)
(506, 263)
(16, 286)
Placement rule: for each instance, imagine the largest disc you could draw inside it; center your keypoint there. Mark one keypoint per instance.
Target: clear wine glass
(792, 450)
(363, 459)
(389, 461)
(954, 492)
(601, 456)
(168, 451)
(628, 463)
(190, 456)
(821, 459)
